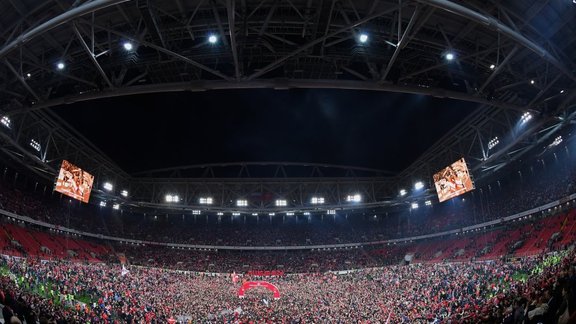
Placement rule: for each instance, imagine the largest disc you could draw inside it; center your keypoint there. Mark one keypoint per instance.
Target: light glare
(418, 185)
(363, 38)
(108, 186)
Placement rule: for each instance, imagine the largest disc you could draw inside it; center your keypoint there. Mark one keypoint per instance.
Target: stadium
(288, 161)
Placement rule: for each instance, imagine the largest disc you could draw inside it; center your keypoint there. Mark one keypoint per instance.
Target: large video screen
(453, 181)
(74, 182)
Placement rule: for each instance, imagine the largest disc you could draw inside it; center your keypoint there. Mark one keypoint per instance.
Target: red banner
(262, 273)
(253, 284)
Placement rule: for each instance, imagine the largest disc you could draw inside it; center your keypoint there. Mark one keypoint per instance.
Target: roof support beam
(499, 68)
(74, 13)
(267, 84)
(21, 79)
(495, 24)
(231, 8)
(319, 40)
(92, 56)
(401, 44)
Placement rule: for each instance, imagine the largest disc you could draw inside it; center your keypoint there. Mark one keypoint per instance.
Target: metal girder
(92, 56)
(319, 40)
(495, 24)
(401, 44)
(499, 68)
(74, 13)
(231, 10)
(260, 84)
(21, 79)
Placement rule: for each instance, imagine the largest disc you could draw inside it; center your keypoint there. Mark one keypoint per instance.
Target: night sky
(386, 131)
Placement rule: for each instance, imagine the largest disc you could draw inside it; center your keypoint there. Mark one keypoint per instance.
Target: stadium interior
(288, 161)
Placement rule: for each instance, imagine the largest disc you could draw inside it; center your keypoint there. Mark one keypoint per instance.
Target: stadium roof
(511, 58)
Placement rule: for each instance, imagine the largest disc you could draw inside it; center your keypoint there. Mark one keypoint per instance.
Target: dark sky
(380, 130)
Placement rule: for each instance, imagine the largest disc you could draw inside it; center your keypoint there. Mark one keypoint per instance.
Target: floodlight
(306, 213)
(450, 56)
(196, 212)
(354, 198)
(212, 39)
(289, 214)
(35, 145)
(556, 142)
(272, 214)
(220, 214)
(60, 65)
(128, 46)
(418, 185)
(172, 198)
(108, 186)
(281, 203)
(428, 203)
(403, 192)
(492, 67)
(562, 91)
(493, 142)
(28, 75)
(532, 81)
(206, 200)
(102, 204)
(254, 214)
(235, 214)
(363, 38)
(331, 212)
(116, 206)
(414, 205)
(6, 121)
(525, 117)
(241, 202)
(124, 193)
(317, 200)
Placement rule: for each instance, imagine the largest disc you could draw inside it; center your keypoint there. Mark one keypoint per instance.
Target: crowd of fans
(534, 185)
(530, 290)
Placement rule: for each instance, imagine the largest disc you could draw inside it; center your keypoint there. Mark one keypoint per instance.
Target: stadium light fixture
(414, 205)
(28, 75)
(108, 186)
(172, 198)
(556, 141)
(60, 65)
(35, 145)
(102, 204)
(206, 200)
(493, 142)
(281, 203)
(532, 81)
(450, 56)
(492, 67)
(116, 206)
(254, 214)
(242, 203)
(403, 192)
(363, 38)
(124, 193)
(196, 212)
(419, 185)
(562, 91)
(306, 213)
(317, 200)
(220, 213)
(331, 212)
(525, 117)
(354, 198)
(128, 46)
(6, 121)
(290, 214)
(271, 214)
(235, 214)
(212, 39)
(428, 202)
